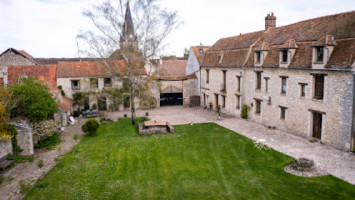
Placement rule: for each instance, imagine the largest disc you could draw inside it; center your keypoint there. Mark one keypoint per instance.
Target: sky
(48, 28)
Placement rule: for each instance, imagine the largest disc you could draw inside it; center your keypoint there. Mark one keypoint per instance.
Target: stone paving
(327, 159)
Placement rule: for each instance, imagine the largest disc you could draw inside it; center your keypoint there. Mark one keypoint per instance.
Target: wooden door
(216, 99)
(317, 125)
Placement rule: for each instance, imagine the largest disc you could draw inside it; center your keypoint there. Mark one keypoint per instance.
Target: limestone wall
(5, 148)
(190, 88)
(24, 136)
(336, 105)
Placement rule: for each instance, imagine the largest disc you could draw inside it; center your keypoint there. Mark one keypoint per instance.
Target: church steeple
(128, 38)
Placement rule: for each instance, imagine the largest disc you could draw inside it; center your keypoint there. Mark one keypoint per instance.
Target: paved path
(338, 163)
(28, 173)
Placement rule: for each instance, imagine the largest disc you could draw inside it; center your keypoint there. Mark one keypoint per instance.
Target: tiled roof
(289, 44)
(92, 69)
(54, 61)
(343, 55)
(327, 40)
(327, 30)
(65, 104)
(174, 78)
(237, 42)
(199, 56)
(263, 46)
(43, 72)
(229, 58)
(172, 68)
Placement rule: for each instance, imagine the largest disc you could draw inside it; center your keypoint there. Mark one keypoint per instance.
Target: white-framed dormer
(321, 51)
(260, 53)
(286, 53)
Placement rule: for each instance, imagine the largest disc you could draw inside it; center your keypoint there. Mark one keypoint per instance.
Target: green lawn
(203, 161)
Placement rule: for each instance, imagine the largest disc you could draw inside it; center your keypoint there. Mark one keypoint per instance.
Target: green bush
(63, 93)
(33, 100)
(90, 126)
(76, 137)
(1, 179)
(40, 164)
(244, 113)
(60, 87)
(49, 142)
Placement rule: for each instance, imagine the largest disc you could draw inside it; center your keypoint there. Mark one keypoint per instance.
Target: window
(75, 85)
(94, 83)
(318, 87)
(320, 54)
(266, 84)
(224, 77)
(223, 101)
(258, 80)
(258, 56)
(283, 112)
(238, 101)
(201, 51)
(207, 75)
(284, 57)
(257, 106)
(108, 82)
(303, 89)
(283, 84)
(220, 58)
(238, 82)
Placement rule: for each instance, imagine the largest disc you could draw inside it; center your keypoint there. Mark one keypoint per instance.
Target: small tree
(132, 40)
(90, 126)
(244, 113)
(186, 52)
(34, 100)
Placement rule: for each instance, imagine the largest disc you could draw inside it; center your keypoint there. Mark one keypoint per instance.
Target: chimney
(270, 21)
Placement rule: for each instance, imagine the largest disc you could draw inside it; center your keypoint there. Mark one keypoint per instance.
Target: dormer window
(201, 51)
(258, 56)
(284, 58)
(220, 58)
(319, 54)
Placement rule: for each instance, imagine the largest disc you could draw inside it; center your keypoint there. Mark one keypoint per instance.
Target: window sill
(318, 62)
(284, 63)
(283, 93)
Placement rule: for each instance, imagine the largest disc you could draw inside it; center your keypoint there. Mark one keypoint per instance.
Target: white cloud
(47, 28)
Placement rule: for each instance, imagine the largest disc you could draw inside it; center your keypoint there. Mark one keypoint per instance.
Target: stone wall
(11, 59)
(24, 136)
(193, 67)
(5, 148)
(336, 105)
(190, 88)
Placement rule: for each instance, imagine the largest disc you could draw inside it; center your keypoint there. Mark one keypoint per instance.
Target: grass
(49, 142)
(1, 179)
(21, 158)
(40, 164)
(202, 161)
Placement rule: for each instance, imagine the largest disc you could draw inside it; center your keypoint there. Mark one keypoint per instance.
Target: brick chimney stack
(270, 21)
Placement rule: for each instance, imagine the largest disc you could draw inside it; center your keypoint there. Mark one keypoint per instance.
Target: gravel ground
(327, 159)
(28, 173)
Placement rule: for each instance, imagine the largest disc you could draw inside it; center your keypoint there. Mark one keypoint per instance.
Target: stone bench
(4, 163)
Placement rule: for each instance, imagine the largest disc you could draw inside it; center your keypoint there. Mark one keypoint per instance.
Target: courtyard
(199, 161)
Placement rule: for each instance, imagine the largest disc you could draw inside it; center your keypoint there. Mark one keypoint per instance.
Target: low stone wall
(154, 130)
(43, 129)
(5, 148)
(24, 136)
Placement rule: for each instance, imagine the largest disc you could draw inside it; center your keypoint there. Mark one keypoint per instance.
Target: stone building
(194, 62)
(173, 85)
(298, 78)
(12, 57)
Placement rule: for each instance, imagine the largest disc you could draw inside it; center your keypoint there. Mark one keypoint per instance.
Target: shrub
(244, 113)
(40, 164)
(1, 179)
(21, 159)
(60, 87)
(75, 136)
(63, 93)
(94, 106)
(49, 142)
(90, 126)
(34, 100)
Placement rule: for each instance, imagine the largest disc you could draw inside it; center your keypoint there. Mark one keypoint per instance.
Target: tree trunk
(133, 108)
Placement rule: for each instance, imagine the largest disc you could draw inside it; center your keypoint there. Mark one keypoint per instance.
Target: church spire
(128, 27)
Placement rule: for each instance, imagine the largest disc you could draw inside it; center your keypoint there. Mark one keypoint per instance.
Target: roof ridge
(315, 18)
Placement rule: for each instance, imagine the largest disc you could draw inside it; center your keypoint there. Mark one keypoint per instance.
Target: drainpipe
(353, 115)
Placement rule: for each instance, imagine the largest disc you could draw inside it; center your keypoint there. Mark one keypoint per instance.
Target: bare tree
(134, 41)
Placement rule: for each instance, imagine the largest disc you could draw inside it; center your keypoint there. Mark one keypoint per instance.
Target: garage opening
(171, 99)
